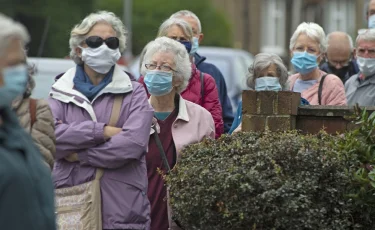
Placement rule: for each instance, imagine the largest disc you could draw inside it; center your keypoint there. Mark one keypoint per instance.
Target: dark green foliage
(357, 149)
(148, 15)
(261, 181)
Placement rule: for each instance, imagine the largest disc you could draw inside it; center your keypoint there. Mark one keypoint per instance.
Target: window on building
(273, 19)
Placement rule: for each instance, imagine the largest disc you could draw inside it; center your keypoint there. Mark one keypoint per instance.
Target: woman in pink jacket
(201, 88)
(307, 46)
(177, 122)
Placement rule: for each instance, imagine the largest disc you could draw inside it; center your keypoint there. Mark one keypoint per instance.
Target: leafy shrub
(262, 181)
(357, 149)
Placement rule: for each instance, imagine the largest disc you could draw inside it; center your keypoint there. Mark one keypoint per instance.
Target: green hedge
(277, 181)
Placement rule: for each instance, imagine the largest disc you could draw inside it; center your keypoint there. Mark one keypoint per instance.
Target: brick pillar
(269, 110)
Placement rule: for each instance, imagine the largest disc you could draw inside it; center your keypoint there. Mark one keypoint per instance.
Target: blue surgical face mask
(187, 45)
(371, 21)
(303, 62)
(195, 45)
(158, 83)
(267, 84)
(15, 82)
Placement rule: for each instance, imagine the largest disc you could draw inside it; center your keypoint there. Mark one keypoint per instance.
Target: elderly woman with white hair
(177, 122)
(103, 122)
(201, 88)
(307, 46)
(267, 73)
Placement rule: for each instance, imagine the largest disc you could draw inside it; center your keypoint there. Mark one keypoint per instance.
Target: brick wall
(279, 111)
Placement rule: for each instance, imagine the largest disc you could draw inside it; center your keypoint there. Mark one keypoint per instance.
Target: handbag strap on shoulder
(115, 114)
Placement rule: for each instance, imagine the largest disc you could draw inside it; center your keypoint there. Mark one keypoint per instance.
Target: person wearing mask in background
(178, 122)
(88, 139)
(36, 118)
(340, 59)
(267, 73)
(26, 200)
(208, 68)
(180, 30)
(360, 88)
(307, 46)
(370, 14)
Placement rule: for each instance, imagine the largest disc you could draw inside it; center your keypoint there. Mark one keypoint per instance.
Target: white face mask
(100, 59)
(371, 22)
(366, 66)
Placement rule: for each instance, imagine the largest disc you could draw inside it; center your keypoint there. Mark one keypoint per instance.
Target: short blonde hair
(181, 58)
(79, 32)
(313, 31)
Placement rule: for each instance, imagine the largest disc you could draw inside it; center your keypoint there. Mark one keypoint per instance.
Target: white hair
(79, 32)
(313, 31)
(261, 62)
(11, 29)
(188, 13)
(180, 58)
(167, 24)
(347, 36)
(368, 35)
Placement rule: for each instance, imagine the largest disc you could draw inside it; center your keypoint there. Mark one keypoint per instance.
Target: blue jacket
(221, 87)
(352, 70)
(26, 191)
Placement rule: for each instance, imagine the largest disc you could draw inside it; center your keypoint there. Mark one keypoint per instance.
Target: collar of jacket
(182, 114)
(198, 59)
(63, 89)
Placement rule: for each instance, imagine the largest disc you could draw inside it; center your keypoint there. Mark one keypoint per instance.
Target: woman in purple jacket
(81, 101)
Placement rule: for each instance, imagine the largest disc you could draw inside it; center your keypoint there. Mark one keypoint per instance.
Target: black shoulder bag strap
(202, 87)
(321, 88)
(161, 150)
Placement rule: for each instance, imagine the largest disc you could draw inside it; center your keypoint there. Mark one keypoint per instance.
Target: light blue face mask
(158, 83)
(195, 45)
(303, 62)
(371, 22)
(15, 82)
(267, 84)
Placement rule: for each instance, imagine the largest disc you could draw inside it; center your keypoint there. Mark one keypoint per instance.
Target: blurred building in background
(267, 25)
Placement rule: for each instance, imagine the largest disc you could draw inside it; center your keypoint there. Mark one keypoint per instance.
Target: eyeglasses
(96, 41)
(165, 68)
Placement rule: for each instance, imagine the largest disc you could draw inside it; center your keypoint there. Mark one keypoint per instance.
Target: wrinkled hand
(72, 157)
(110, 131)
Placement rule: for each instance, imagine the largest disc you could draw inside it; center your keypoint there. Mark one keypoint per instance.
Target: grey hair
(167, 24)
(313, 31)
(181, 58)
(347, 36)
(261, 62)
(188, 13)
(11, 29)
(142, 55)
(368, 36)
(79, 32)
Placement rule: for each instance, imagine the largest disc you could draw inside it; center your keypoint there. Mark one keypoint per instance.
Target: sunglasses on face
(96, 41)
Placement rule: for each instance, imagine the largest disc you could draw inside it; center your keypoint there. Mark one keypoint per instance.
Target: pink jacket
(333, 92)
(192, 124)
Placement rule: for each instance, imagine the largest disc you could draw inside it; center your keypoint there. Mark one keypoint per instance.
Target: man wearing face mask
(339, 56)
(360, 88)
(208, 68)
(26, 200)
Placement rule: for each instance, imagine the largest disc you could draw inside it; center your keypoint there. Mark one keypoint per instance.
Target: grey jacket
(360, 91)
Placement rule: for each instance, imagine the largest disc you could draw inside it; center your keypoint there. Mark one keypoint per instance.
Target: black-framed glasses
(165, 68)
(96, 41)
